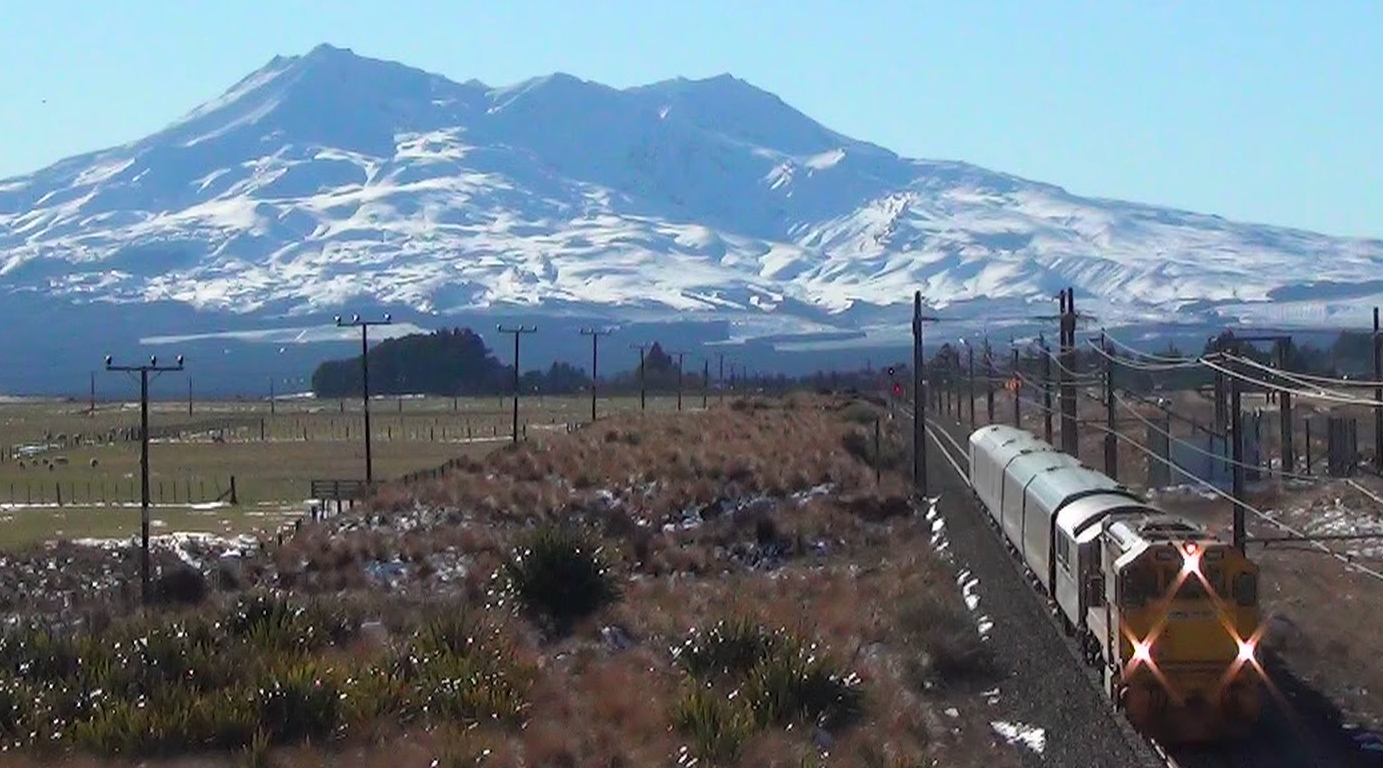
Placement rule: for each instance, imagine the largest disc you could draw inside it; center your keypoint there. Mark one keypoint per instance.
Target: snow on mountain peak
(323, 178)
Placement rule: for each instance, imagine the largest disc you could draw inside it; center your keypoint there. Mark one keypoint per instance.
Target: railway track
(1284, 737)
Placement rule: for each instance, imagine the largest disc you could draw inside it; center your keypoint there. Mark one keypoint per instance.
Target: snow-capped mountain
(330, 180)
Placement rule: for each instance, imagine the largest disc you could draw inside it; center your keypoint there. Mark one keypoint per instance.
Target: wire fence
(111, 492)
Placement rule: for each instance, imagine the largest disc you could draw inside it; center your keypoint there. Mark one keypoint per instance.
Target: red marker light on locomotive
(1190, 558)
(897, 389)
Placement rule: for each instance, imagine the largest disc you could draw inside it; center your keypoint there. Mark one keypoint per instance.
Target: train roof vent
(1163, 530)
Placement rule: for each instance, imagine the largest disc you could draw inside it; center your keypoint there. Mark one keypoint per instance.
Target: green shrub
(939, 625)
(18, 710)
(462, 671)
(556, 574)
(795, 686)
(300, 702)
(150, 687)
(728, 650)
(769, 676)
(717, 724)
(272, 623)
(183, 585)
(859, 413)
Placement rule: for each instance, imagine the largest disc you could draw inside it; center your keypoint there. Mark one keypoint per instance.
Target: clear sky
(1265, 111)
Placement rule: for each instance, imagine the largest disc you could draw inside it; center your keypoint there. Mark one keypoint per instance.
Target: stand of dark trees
(457, 362)
(445, 362)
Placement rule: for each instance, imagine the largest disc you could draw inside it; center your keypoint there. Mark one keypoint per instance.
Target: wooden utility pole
(988, 381)
(1221, 392)
(517, 331)
(1014, 384)
(720, 375)
(1046, 389)
(1284, 404)
(144, 371)
(705, 382)
(1111, 442)
(1377, 393)
(919, 400)
(1236, 419)
(643, 391)
(595, 334)
(364, 326)
(1070, 441)
(970, 359)
(679, 356)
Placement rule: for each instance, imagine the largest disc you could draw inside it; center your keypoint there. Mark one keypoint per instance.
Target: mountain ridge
(329, 178)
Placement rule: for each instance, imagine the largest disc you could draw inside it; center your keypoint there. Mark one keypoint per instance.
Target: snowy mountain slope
(329, 179)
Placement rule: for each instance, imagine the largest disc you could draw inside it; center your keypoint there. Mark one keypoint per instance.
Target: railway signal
(144, 371)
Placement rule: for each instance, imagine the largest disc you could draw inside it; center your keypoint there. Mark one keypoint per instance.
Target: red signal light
(897, 389)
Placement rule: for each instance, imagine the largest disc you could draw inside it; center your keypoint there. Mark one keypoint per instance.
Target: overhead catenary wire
(1298, 378)
(1153, 367)
(1341, 557)
(1213, 362)
(1212, 488)
(1197, 449)
(1302, 393)
(1148, 355)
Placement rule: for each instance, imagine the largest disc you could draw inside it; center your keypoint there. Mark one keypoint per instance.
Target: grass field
(70, 472)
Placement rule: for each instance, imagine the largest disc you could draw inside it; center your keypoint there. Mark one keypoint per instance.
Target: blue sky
(1263, 111)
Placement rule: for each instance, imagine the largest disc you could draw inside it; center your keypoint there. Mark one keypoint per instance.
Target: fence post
(234, 500)
(58, 487)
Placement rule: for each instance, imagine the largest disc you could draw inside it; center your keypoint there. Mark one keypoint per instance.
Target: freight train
(1166, 610)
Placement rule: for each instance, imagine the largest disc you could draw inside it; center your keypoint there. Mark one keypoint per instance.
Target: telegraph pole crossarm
(364, 325)
(144, 371)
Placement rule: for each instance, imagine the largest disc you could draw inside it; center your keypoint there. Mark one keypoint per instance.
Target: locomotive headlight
(1246, 649)
(1142, 651)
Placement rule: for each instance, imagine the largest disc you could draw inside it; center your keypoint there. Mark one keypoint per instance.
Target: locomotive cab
(1179, 626)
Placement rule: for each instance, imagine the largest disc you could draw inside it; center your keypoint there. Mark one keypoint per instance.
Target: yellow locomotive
(1167, 611)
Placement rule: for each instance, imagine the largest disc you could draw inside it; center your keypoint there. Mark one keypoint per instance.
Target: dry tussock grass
(760, 512)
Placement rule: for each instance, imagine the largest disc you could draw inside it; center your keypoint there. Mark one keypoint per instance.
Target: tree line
(457, 362)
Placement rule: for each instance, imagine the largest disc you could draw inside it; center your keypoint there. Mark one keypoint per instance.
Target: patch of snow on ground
(1336, 518)
(182, 544)
(967, 582)
(1032, 737)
